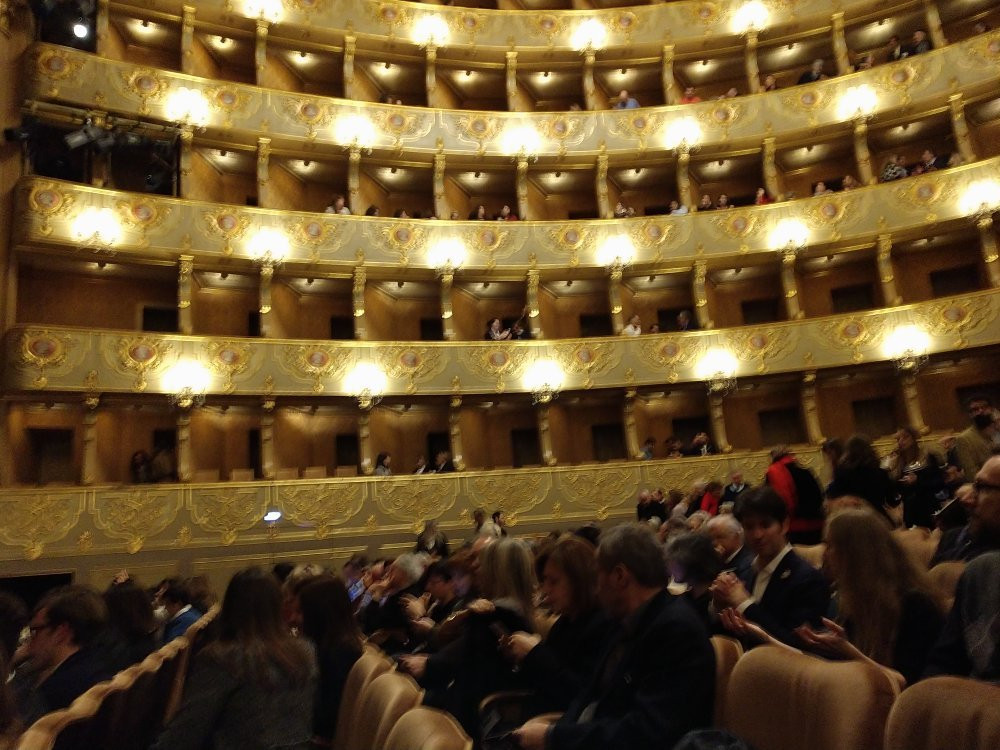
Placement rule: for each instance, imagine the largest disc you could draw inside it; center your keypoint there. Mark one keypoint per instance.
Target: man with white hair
(727, 536)
(384, 620)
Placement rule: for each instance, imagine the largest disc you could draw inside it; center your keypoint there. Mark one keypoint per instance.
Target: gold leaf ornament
(323, 506)
(136, 515)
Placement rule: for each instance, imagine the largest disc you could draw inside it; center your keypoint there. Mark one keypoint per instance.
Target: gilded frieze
(232, 101)
(139, 355)
(479, 129)
(145, 84)
(229, 358)
(514, 493)
(768, 346)
(32, 520)
(493, 243)
(597, 491)
(414, 364)
(637, 125)
(317, 234)
(311, 112)
(497, 361)
(565, 129)
(682, 475)
(400, 239)
(142, 214)
(403, 126)
(415, 501)
(316, 362)
(227, 224)
(657, 236)
(226, 511)
(47, 351)
(322, 507)
(853, 334)
(49, 201)
(136, 514)
(588, 359)
(670, 353)
(959, 318)
(568, 240)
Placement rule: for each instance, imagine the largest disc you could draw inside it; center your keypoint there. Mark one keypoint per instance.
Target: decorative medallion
(315, 362)
(565, 129)
(227, 511)
(638, 124)
(313, 113)
(401, 238)
(323, 506)
(401, 125)
(923, 191)
(515, 493)
(705, 14)
(141, 355)
(547, 25)
(736, 223)
(316, 233)
(852, 333)
(229, 100)
(570, 239)
(392, 16)
(496, 360)
(43, 349)
(765, 344)
(588, 359)
(31, 521)
(49, 201)
(654, 233)
(721, 115)
(56, 65)
(147, 85)
(305, 6)
(415, 501)
(625, 22)
(414, 363)
(810, 100)
(228, 358)
(960, 318)
(227, 224)
(135, 515)
(478, 129)
(670, 352)
(142, 214)
(491, 241)
(467, 23)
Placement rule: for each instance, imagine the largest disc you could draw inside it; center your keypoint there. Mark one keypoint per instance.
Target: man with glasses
(970, 642)
(59, 661)
(975, 444)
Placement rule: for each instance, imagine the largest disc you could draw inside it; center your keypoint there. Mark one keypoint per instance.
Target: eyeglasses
(979, 487)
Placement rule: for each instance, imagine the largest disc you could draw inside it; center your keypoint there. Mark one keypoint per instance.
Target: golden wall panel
(487, 367)
(901, 209)
(308, 124)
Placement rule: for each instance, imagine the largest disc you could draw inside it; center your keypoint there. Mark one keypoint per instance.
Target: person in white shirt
(634, 327)
(338, 206)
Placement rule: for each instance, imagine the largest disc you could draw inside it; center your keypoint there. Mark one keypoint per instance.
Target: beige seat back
(727, 652)
(811, 553)
(782, 700)
(945, 712)
(383, 702)
(423, 728)
(945, 578)
(369, 665)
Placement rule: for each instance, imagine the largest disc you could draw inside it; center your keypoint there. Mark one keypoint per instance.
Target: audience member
(10, 724)
(400, 213)
(653, 328)
(445, 594)
(770, 83)
(919, 479)
(141, 468)
(131, 633)
(443, 463)
(685, 322)
(864, 61)
(821, 189)
(61, 659)
(499, 522)
(624, 101)
(495, 331)
(255, 686)
(337, 206)
(634, 327)
(673, 447)
(736, 487)
(932, 162)
(383, 463)
(179, 613)
(723, 202)
(328, 622)
(893, 169)
(620, 211)
(384, 619)
(14, 618)
(354, 576)
(860, 474)
(798, 489)
(678, 209)
(711, 499)
(648, 450)
(815, 73)
(981, 27)
(655, 679)
(705, 204)
(849, 183)
(693, 562)
(478, 213)
(726, 534)
(975, 444)
(432, 540)
(701, 445)
(895, 49)
(506, 215)
(762, 198)
(421, 467)
(372, 210)
(785, 591)
(920, 43)
(690, 96)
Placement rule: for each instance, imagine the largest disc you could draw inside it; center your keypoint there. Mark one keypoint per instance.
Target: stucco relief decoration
(57, 65)
(906, 77)
(493, 243)
(391, 16)
(140, 355)
(415, 501)
(737, 224)
(566, 130)
(147, 85)
(766, 345)
(852, 334)
(467, 24)
(598, 491)
(570, 240)
(654, 233)
(43, 351)
(514, 494)
(313, 113)
(33, 521)
(924, 191)
(705, 14)
(684, 474)
(230, 100)
(637, 124)
(670, 352)
(833, 210)
(402, 239)
(305, 6)
(983, 51)
(415, 364)
(229, 359)
(478, 129)
(315, 362)
(624, 23)
(808, 100)
(142, 214)
(324, 506)
(545, 25)
(227, 511)
(960, 318)
(721, 116)
(402, 126)
(136, 515)
(225, 224)
(588, 359)
(499, 361)
(47, 200)
(315, 234)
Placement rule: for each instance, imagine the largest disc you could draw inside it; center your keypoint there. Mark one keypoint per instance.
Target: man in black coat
(655, 681)
(783, 591)
(727, 537)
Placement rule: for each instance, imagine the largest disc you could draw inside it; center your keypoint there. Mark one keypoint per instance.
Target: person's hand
(413, 664)
(736, 623)
(517, 645)
(481, 606)
(728, 591)
(908, 479)
(833, 640)
(531, 735)
(415, 607)
(121, 577)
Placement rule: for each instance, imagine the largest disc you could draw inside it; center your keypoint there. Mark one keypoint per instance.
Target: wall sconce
(789, 235)
(857, 102)
(682, 134)
(367, 383)
(186, 382)
(187, 107)
(97, 230)
(717, 368)
(447, 255)
(907, 346)
(616, 252)
(544, 378)
(521, 142)
(751, 16)
(264, 10)
(981, 198)
(430, 30)
(590, 36)
(354, 131)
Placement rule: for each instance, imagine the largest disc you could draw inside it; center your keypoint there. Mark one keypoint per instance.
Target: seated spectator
(762, 198)
(784, 590)
(337, 206)
(180, 614)
(445, 594)
(478, 213)
(697, 520)
(328, 622)
(518, 332)
(723, 202)
(692, 561)
(629, 212)
(690, 96)
(678, 209)
(932, 162)
(919, 478)
(141, 468)
(673, 447)
(354, 576)
(421, 467)
(61, 659)
(736, 487)
(14, 618)
(131, 633)
(859, 473)
(383, 464)
(770, 83)
(726, 534)
(384, 619)
(895, 50)
(701, 446)
(648, 449)
(624, 101)
(685, 322)
(453, 216)
(558, 667)
(815, 73)
(849, 183)
(432, 540)
(634, 327)
(981, 27)
(254, 687)
(731, 93)
(499, 522)
(10, 725)
(620, 211)
(920, 43)
(821, 189)
(974, 445)
(372, 211)
(711, 499)
(705, 204)
(443, 463)
(506, 215)
(495, 331)
(864, 61)
(655, 679)
(893, 169)
(400, 213)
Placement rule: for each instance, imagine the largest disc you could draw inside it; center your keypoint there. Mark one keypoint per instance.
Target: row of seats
(128, 711)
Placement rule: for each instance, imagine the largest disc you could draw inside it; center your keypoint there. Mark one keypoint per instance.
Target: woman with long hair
(859, 473)
(919, 477)
(253, 689)
(131, 633)
(383, 464)
(328, 622)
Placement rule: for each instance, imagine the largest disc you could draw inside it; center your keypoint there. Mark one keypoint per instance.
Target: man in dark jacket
(655, 681)
(803, 498)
